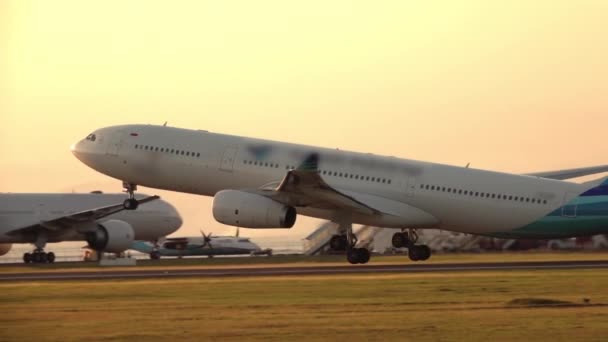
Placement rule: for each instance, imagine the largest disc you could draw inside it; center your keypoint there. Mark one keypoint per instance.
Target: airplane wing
(67, 221)
(571, 173)
(304, 187)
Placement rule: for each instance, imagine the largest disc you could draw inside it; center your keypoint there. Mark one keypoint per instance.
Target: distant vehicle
(595, 242)
(200, 245)
(100, 219)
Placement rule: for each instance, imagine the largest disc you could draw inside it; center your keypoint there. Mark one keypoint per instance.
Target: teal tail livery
(586, 214)
(263, 184)
(142, 246)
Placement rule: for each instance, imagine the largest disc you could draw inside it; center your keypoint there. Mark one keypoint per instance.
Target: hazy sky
(516, 86)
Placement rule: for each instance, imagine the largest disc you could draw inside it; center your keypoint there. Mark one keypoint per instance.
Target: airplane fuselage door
(570, 204)
(227, 162)
(409, 185)
(114, 142)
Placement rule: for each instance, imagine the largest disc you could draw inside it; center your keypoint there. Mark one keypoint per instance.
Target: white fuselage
(151, 221)
(416, 194)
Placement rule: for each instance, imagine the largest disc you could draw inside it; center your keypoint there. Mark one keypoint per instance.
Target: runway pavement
(143, 273)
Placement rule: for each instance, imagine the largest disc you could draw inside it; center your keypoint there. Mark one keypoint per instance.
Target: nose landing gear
(130, 203)
(408, 240)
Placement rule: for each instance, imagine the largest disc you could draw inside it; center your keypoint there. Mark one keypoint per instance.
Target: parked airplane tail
(142, 246)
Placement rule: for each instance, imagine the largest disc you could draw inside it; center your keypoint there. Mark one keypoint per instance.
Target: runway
(142, 273)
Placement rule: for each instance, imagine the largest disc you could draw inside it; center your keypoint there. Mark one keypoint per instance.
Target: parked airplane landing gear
(130, 203)
(408, 240)
(155, 255)
(38, 256)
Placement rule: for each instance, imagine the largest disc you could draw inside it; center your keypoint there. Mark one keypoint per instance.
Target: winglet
(311, 163)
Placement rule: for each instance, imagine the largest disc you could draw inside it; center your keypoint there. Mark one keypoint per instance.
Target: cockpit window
(91, 137)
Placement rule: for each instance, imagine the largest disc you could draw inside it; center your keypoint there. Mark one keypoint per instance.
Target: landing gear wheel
(414, 253)
(352, 256)
(130, 204)
(338, 242)
(155, 255)
(358, 256)
(50, 257)
(400, 240)
(27, 258)
(425, 252)
(36, 258)
(43, 257)
(364, 255)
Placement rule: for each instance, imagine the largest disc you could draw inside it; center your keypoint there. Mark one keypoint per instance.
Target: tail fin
(142, 246)
(596, 187)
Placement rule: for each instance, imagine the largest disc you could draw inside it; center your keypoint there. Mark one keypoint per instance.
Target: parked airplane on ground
(200, 245)
(99, 219)
(264, 184)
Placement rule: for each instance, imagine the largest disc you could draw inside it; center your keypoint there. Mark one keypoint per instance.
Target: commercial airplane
(99, 219)
(200, 245)
(265, 184)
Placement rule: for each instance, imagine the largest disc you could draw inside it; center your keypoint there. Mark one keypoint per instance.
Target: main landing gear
(408, 240)
(346, 241)
(130, 203)
(38, 256)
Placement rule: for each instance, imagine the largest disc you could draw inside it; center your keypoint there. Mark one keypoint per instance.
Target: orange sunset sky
(517, 86)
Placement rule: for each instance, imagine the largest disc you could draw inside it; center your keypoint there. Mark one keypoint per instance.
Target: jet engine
(243, 209)
(112, 236)
(5, 248)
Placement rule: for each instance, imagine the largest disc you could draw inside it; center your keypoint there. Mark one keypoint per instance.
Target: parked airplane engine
(5, 248)
(243, 209)
(112, 236)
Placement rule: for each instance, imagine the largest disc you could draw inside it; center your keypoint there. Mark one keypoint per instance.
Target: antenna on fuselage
(466, 167)
(165, 124)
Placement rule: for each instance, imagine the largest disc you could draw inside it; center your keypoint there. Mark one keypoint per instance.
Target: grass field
(449, 306)
(301, 260)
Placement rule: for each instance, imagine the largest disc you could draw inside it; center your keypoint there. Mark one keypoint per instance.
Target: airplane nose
(176, 219)
(76, 149)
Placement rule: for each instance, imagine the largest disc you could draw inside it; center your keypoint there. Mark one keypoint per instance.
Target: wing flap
(305, 187)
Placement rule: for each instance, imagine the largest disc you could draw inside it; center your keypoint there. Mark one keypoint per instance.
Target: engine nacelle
(5, 248)
(243, 209)
(112, 236)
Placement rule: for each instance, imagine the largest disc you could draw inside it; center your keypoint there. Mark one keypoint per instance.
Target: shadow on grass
(541, 302)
